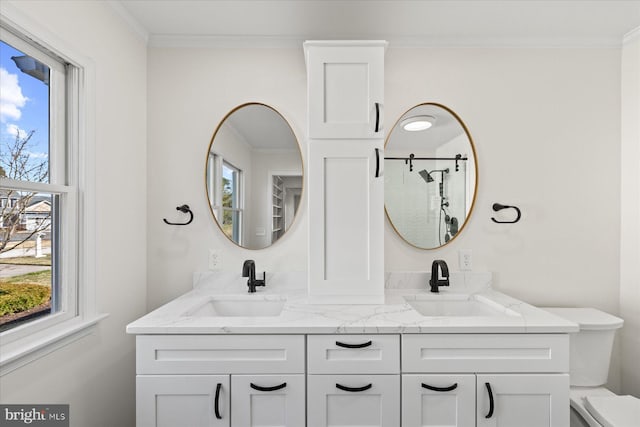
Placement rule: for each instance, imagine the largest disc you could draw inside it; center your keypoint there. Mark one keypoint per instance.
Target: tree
(18, 163)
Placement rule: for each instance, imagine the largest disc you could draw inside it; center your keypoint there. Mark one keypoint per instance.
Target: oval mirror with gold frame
(430, 176)
(254, 176)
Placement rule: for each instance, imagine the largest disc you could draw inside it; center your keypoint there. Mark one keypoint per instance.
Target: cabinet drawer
(353, 354)
(485, 353)
(220, 354)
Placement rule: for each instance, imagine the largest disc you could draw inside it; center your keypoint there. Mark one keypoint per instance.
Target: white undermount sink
(238, 306)
(457, 305)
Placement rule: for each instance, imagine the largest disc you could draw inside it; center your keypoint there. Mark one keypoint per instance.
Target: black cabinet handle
(354, 389)
(345, 345)
(274, 388)
(216, 406)
(434, 388)
(377, 117)
(490, 413)
(377, 162)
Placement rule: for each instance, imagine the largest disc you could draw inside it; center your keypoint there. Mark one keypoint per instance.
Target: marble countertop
(297, 317)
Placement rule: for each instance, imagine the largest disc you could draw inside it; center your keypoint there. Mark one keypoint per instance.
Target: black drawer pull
(216, 406)
(345, 345)
(354, 389)
(377, 163)
(274, 388)
(434, 388)
(377, 129)
(490, 400)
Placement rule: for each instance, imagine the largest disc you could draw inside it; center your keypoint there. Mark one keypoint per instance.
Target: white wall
(546, 123)
(189, 92)
(96, 374)
(630, 220)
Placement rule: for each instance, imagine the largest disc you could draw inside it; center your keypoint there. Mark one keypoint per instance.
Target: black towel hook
(183, 209)
(498, 207)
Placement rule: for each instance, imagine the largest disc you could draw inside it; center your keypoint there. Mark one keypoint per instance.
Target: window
(231, 211)
(34, 170)
(224, 183)
(45, 294)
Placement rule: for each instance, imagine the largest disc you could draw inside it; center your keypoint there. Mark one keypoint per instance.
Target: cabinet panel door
(345, 82)
(377, 404)
(439, 400)
(262, 400)
(346, 217)
(182, 400)
(523, 400)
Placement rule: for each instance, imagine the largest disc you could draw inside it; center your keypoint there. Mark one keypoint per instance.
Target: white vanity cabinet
(267, 400)
(215, 380)
(439, 400)
(353, 400)
(345, 85)
(353, 380)
(535, 400)
(500, 379)
(346, 189)
(182, 400)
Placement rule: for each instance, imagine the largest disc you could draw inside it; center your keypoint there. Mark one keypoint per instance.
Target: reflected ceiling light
(417, 123)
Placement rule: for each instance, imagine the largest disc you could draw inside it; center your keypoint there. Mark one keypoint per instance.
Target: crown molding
(224, 42)
(132, 22)
(631, 36)
(295, 42)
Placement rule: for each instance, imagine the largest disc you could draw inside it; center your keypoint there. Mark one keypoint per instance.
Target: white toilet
(592, 405)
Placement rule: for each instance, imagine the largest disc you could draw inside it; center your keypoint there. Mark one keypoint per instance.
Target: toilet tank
(590, 348)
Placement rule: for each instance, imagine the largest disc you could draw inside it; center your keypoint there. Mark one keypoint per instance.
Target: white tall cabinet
(346, 201)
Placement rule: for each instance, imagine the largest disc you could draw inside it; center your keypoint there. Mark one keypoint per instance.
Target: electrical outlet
(215, 259)
(465, 259)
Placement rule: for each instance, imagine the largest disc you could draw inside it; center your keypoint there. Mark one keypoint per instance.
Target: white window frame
(215, 164)
(75, 185)
(238, 197)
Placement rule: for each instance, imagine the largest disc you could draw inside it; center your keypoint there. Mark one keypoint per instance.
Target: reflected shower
(428, 178)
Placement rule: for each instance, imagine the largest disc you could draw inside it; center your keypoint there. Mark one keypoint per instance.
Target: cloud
(37, 156)
(14, 130)
(11, 97)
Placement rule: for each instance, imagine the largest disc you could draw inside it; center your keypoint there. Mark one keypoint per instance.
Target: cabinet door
(267, 400)
(439, 400)
(523, 400)
(346, 223)
(182, 400)
(353, 400)
(345, 89)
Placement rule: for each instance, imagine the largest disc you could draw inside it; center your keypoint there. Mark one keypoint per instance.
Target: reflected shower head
(426, 176)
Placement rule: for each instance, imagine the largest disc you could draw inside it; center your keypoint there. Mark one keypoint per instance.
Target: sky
(24, 106)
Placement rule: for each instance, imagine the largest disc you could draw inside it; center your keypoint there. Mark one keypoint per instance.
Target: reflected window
(231, 202)
(224, 182)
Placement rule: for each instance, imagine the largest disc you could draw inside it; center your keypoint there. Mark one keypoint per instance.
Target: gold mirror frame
(475, 161)
(206, 169)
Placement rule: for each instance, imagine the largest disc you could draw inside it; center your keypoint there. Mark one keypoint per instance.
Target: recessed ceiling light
(417, 123)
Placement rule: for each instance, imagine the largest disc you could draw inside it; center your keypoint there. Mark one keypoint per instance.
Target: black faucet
(434, 282)
(249, 270)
